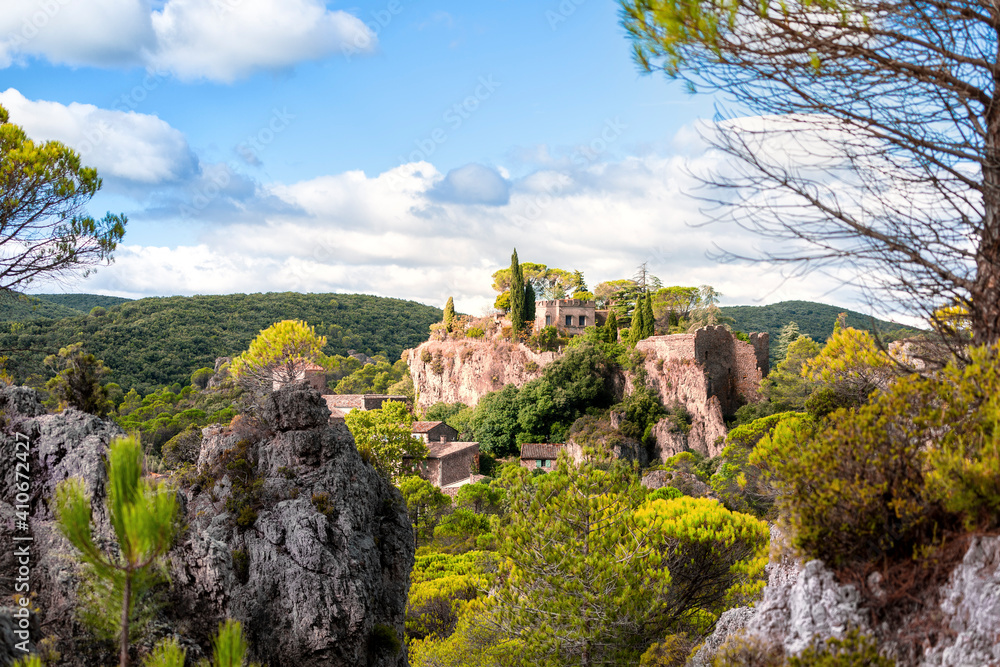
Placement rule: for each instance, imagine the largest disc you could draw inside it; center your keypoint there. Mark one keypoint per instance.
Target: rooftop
(439, 450)
(424, 427)
(539, 450)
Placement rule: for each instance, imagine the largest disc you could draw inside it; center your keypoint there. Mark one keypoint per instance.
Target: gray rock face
(295, 407)
(803, 604)
(970, 602)
(319, 577)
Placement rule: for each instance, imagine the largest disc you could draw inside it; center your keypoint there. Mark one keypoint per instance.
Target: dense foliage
(918, 462)
(157, 342)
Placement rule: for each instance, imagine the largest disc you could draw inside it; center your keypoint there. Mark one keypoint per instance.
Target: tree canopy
(44, 228)
(279, 353)
(875, 129)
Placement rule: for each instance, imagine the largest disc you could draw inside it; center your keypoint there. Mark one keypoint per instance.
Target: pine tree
(789, 333)
(142, 515)
(77, 383)
(449, 314)
(516, 296)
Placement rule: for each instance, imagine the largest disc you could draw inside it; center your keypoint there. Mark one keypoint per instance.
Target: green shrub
(475, 332)
(854, 650)
(384, 640)
(241, 565)
(916, 462)
(739, 483)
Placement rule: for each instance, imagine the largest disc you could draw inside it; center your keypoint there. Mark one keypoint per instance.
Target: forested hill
(814, 319)
(20, 307)
(152, 342)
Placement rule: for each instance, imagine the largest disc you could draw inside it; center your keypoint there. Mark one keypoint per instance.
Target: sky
(400, 148)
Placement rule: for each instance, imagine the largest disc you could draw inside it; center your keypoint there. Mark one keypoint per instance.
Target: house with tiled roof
(450, 465)
(434, 432)
(540, 455)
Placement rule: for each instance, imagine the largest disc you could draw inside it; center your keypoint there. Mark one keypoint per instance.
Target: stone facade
(434, 432)
(732, 367)
(309, 372)
(570, 316)
(539, 455)
(341, 404)
(450, 463)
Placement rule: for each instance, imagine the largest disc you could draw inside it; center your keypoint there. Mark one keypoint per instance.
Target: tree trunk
(126, 610)
(984, 311)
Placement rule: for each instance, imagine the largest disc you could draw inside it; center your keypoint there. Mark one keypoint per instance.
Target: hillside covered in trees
(20, 307)
(154, 342)
(814, 319)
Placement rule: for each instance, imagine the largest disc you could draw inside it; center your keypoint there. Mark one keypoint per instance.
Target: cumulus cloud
(229, 39)
(126, 145)
(218, 40)
(473, 184)
(393, 234)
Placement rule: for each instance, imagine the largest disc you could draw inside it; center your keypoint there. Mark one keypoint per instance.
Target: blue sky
(393, 147)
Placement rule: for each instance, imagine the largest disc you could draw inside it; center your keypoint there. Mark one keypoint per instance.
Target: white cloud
(219, 40)
(127, 145)
(223, 40)
(97, 32)
(388, 234)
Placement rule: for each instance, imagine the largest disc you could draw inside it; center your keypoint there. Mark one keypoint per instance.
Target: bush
(185, 447)
(917, 462)
(854, 650)
(739, 483)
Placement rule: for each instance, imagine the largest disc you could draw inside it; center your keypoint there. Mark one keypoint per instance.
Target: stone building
(539, 455)
(570, 316)
(341, 404)
(308, 371)
(434, 432)
(450, 464)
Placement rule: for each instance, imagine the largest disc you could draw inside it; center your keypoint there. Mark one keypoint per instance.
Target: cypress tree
(637, 326)
(516, 296)
(449, 313)
(529, 303)
(611, 328)
(648, 321)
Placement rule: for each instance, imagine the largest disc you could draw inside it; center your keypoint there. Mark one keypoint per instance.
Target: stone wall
(458, 464)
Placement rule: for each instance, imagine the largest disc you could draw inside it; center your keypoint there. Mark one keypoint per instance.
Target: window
(569, 320)
(548, 463)
(583, 320)
(538, 463)
(548, 320)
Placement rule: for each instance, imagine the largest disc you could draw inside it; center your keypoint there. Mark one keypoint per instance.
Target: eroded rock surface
(803, 604)
(319, 577)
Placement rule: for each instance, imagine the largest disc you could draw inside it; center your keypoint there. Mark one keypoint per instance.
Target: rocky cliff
(465, 370)
(952, 624)
(318, 571)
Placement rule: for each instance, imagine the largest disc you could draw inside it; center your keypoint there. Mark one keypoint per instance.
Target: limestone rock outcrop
(465, 370)
(319, 577)
(804, 604)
